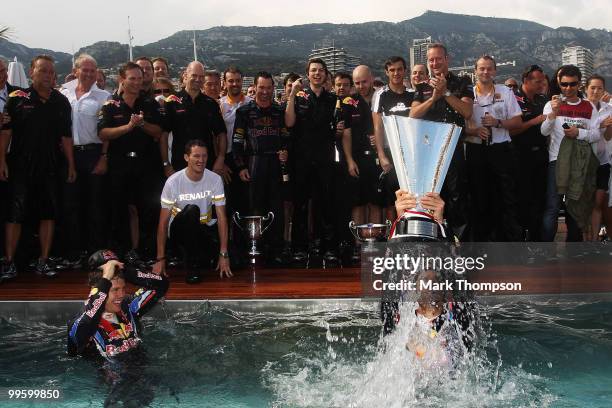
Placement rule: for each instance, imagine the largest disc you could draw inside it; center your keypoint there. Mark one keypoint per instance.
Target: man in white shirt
(84, 210)
(567, 115)
(186, 215)
(491, 159)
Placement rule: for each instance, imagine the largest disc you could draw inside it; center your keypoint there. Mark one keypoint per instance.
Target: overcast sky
(63, 25)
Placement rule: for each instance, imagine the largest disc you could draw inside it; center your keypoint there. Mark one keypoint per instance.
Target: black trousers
(134, 181)
(494, 205)
(85, 209)
(265, 192)
(455, 194)
(344, 191)
(313, 181)
(531, 189)
(196, 241)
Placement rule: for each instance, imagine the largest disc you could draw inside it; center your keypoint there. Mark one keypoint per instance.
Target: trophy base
(416, 226)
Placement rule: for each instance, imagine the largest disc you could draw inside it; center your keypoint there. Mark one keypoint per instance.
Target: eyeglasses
(568, 84)
(161, 91)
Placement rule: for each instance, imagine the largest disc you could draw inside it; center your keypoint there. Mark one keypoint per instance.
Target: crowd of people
(84, 169)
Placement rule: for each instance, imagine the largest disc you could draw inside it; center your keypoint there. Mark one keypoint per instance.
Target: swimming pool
(538, 351)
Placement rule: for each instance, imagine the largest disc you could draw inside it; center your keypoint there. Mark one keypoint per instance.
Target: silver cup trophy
(253, 227)
(368, 234)
(422, 151)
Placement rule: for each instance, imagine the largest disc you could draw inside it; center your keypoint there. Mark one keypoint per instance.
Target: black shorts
(603, 177)
(32, 196)
(365, 187)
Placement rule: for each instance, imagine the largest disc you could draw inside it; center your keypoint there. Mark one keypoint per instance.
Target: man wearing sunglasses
(567, 116)
(532, 153)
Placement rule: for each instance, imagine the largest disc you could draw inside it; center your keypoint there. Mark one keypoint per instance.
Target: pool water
(530, 353)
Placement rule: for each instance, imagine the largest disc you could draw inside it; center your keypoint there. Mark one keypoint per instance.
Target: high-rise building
(418, 51)
(337, 59)
(581, 57)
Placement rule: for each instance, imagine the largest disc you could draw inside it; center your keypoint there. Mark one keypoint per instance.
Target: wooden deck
(265, 283)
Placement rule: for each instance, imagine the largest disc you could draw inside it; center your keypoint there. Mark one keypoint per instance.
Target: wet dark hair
(41, 57)
(94, 277)
(232, 69)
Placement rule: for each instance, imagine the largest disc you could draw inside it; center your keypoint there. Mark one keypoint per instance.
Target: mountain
(10, 50)
(284, 49)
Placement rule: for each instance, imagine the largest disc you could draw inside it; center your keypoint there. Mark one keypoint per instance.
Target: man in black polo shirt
(532, 153)
(260, 151)
(39, 124)
(392, 99)
(367, 200)
(447, 98)
(310, 112)
(131, 122)
(192, 115)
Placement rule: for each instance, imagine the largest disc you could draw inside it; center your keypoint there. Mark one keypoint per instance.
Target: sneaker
(300, 256)
(331, 257)
(8, 270)
(44, 268)
(193, 276)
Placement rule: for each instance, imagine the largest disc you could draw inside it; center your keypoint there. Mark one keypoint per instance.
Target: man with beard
(260, 152)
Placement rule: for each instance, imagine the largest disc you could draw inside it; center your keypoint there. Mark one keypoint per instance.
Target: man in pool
(110, 323)
(110, 320)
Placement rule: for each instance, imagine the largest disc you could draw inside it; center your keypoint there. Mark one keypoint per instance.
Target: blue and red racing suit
(118, 333)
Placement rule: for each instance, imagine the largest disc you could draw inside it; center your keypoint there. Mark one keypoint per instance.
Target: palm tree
(4, 33)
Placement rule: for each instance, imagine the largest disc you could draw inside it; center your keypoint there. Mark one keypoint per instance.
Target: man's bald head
(362, 77)
(194, 76)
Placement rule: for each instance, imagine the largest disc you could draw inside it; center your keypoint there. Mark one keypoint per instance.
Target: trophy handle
(270, 217)
(388, 223)
(236, 218)
(353, 229)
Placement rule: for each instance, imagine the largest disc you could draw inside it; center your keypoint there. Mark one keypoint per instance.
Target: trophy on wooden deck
(370, 233)
(253, 226)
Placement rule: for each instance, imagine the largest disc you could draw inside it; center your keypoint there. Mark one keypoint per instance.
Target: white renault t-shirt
(501, 105)
(180, 190)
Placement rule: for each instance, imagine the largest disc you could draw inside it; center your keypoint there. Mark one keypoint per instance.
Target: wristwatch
(447, 93)
(224, 254)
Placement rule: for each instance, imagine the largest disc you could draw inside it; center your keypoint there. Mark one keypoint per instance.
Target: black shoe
(300, 256)
(356, 255)
(44, 268)
(193, 277)
(331, 257)
(8, 270)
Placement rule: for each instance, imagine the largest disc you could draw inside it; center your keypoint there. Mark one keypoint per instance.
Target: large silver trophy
(422, 151)
(253, 227)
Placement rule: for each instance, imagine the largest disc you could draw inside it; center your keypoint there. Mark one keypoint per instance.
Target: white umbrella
(17, 75)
